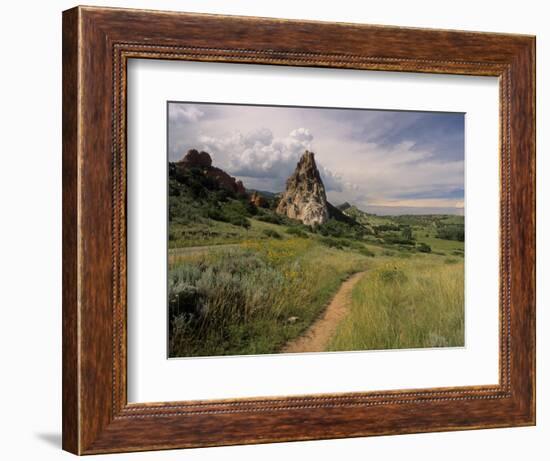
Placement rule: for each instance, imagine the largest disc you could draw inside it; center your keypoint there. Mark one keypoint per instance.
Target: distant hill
(343, 206)
(263, 193)
(335, 213)
(370, 221)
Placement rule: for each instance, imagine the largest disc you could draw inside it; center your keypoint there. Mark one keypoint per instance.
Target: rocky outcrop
(344, 206)
(257, 200)
(203, 161)
(225, 181)
(304, 198)
(196, 159)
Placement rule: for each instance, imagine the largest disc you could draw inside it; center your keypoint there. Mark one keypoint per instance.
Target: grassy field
(253, 298)
(250, 290)
(212, 232)
(413, 303)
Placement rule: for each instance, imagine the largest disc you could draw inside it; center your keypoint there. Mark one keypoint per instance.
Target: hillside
(207, 206)
(440, 232)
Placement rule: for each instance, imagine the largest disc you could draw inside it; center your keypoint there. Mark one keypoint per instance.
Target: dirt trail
(174, 254)
(318, 335)
(198, 249)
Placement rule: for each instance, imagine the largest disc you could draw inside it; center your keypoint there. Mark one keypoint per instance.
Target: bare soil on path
(317, 336)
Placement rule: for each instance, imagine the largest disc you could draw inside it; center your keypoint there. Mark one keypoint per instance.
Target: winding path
(318, 335)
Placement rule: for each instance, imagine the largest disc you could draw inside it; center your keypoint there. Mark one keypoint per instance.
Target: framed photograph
(280, 230)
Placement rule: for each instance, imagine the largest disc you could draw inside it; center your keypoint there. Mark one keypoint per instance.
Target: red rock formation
(203, 161)
(225, 181)
(194, 159)
(258, 200)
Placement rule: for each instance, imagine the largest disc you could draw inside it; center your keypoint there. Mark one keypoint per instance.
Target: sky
(384, 162)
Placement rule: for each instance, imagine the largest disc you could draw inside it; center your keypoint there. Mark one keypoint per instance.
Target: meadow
(254, 293)
(253, 298)
(412, 303)
(246, 280)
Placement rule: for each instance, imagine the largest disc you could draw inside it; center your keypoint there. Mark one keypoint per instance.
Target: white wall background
(30, 229)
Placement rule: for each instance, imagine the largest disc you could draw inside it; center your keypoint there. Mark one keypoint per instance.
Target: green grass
(440, 245)
(211, 232)
(412, 303)
(237, 293)
(254, 298)
(428, 234)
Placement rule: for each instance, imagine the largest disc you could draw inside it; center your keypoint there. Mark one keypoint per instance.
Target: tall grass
(413, 303)
(254, 298)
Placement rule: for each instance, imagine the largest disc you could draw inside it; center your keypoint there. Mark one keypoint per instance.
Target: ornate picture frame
(97, 44)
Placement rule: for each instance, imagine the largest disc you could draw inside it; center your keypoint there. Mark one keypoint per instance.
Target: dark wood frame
(97, 43)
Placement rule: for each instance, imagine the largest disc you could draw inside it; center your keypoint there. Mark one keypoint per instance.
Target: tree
(406, 233)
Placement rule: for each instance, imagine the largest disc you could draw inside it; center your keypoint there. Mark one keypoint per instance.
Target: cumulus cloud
(333, 181)
(259, 154)
(302, 135)
(184, 113)
(366, 157)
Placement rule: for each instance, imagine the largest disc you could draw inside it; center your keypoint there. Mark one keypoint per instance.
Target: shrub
(214, 293)
(332, 242)
(392, 274)
(386, 227)
(354, 245)
(236, 207)
(195, 180)
(406, 248)
(239, 221)
(251, 208)
(271, 218)
(397, 239)
(406, 233)
(222, 195)
(333, 228)
(423, 247)
(451, 232)
(233, 212)
(272, 234)
(366, 252)
(184, 298)
(215, 214)
(297, 232)
(236, 301)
